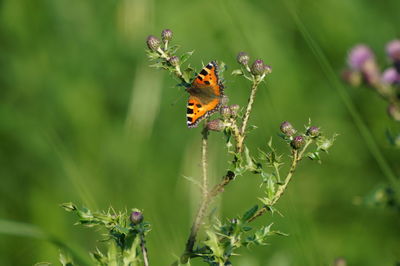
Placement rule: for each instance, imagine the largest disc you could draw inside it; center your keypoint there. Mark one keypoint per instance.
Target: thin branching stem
(205, 196)
(242, 132)
(296, 157)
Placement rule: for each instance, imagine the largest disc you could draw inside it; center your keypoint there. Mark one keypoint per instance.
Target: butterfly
(206, 92)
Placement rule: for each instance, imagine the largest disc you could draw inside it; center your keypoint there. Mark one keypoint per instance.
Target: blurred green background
(84, 119)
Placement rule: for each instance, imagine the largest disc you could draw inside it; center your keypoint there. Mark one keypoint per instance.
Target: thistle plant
(226, 235)
(364, 69)
(124, 233)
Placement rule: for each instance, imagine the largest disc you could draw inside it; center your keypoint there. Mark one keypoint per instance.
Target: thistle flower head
(297, 142)
(216, 125)
(174, 60)
(393, 50)
(267, 69)
(359, 55)
(234, 108)
(390, 76)
(153, 42)
(258, 67)
(136, 217)
(243, 58)
(313, 131)
(224, 100)
(287, 129)
(166, 35)
(225, 111)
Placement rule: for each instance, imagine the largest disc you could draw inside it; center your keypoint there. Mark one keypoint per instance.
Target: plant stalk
(144, 250)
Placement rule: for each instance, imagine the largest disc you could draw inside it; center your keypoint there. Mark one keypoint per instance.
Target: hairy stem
(205, 197)
(144, 250)
(242, 132)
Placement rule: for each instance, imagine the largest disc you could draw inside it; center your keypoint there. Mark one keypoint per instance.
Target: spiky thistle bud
(224, 100)
(313, 131)
(136, 217)
(287, 129)
(153, 43)
(267, 69)
(258, 67)
(216, 125)
(225, 111)
(174, 60)
(234, 108)
(243, 58)
(166, 35)
(297, 142)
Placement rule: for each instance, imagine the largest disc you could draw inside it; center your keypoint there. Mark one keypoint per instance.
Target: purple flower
(136, 217)
(393, 50)
(298, 142)
(359, 55)
(390, 76)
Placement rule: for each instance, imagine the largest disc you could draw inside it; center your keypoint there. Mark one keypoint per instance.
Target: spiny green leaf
(185, 57)
(237, 72)
(248, 214)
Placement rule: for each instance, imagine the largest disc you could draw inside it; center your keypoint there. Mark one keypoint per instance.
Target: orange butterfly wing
(205, 92)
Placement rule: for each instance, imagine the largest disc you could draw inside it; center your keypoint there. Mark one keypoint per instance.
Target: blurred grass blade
(28, 230)
(333, 79)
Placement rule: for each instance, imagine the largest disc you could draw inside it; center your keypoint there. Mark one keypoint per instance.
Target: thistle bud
(258, 67)
(136, 217)
(225, 111)
(297, 142)
(153, 43)
(224, 100)
(243, 58)
(394, 111)
(267, 69)
(234, 109)
(313, 131)
(358, 56)
(166, 35)
(393, 50)
(216, 125)
(287, 129)
(174, 60)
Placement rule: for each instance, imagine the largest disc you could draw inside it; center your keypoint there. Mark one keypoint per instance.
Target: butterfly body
(206, 92)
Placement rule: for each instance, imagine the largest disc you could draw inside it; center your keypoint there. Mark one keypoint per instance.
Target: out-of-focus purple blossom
(390, 76)
(358, 56)
(393, 50)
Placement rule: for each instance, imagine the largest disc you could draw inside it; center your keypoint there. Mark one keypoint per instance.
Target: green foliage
(125, 239)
